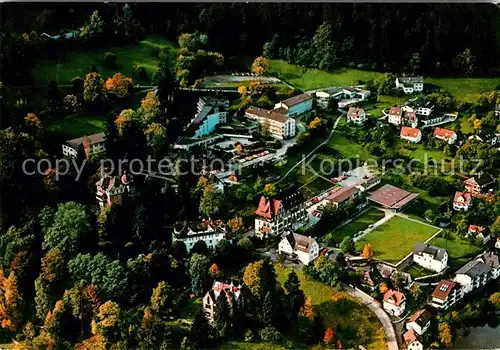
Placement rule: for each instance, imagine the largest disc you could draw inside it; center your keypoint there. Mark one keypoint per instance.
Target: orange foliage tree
(308, 309)
(10, 302)
(214, 270)
(367, 251)
(118, 84)
(123, 119)
(314, 123)
(328, 338)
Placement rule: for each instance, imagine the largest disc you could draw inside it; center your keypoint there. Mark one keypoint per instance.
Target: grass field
(465, 89)
(359, 223)
(309, 79)
(347, 147)
(78, 63)
(340, 311)
(460, 251)
(393, 240)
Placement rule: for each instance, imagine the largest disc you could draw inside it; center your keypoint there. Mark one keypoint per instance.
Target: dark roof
(437, 253)
(296, 99)
(290, 197)
(420, 317)
(286, 199)
(411, 80)
(483, 179)
(392, 197)
(198, 118)
(490, 259)
(300, 242)
(95, 138)
(474, 269)
(264, 113)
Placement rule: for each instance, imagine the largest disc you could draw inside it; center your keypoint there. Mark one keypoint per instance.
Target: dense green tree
(295, 295)
(347, 245)
(199, 334)
(93, 88)
(198, 271)
(222, 315)
(211, 201)
(268, 311)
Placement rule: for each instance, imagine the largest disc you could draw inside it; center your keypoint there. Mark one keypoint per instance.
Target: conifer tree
(222, 317)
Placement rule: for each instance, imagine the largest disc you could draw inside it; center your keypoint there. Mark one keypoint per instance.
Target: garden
(393, 240)
(460, 251)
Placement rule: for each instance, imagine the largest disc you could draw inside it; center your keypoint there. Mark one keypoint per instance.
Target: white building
(421, 107)
(278, 125)
(413, 135)
(446, 294)
(497, 243)
(479, 233)
(280, 213)
(446, 135)
(356, 115)
(305, 248)
(412, 341)
(211, 112)
(430, 257)
(410, 84)
(473, 275)
(420, 321)
(394, 302)
(462, 201)
(212, 232)
(92, 144)
(493, 261)
(296, 105)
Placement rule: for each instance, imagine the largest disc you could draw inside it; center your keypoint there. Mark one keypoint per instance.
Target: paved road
(313, 151)
(392, 342)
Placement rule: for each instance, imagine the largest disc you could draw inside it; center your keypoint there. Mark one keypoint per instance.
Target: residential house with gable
(356, 115)
(446, 294)
(479, 184)
(409, 85)
(111, 189)
(473, 275)
(296, 105)
(395, 115)
(231, 290)
(277, 214)
(480, 233)
(394, 302)
(209, 231)
(413, 135)
(462, 201)
(412, 341)
(420, 321)
(304, 247)
(493, 261)
(430, 257)
(446, 135)
(420, 107)
(277, 124)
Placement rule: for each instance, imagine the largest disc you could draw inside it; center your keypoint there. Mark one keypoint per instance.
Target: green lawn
(347, 147)
(359, 223)
(421, 153)
(395, 239)
(465, 89)
(460, 251)
(339, 311)
(309, 79)
(77, 63)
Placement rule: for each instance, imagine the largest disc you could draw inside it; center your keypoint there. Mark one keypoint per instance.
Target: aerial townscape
(249, 176)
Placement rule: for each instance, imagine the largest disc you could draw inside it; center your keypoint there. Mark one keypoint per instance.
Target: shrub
(270, 334)
(77, 85)
(110, 59)
(139, 72)
(155, 52)
(198, 83)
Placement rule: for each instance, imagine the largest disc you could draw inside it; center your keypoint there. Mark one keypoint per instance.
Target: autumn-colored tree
(86, 146)
(367, 251)
(315, 123)
(242, 90)
(93, 88)
(201, 184)
(10, 302)
(269, 190)
(150, 108)
(125, 117)
(260, 65)
(119, 85)
(156, 136)
(161, 299)
(32, 121)
(328, 338)
(308, 309)
(235, 224)
(214, 271)
(251, 277)
(238, 148)
(494, 299)
(445, 336)
(383, 287)
(477, 124)
(52, 265)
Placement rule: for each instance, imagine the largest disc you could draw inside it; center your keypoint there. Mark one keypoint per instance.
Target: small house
(462, 201)
(394, 302)
(413, 135)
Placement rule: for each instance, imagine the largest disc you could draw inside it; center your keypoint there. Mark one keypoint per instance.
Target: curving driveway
(392, 341)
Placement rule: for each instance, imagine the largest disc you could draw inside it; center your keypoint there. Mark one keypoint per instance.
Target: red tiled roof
(464, 195)
(475, 228)
(264, 113)
(410, 337)
(268, 207)
(392, 197)
(396, 111)
(394, 297)
(409, 132)
(444, 133)
(355, 112)
(443, 289)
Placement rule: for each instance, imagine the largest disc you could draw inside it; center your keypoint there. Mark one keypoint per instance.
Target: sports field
(359, 223)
